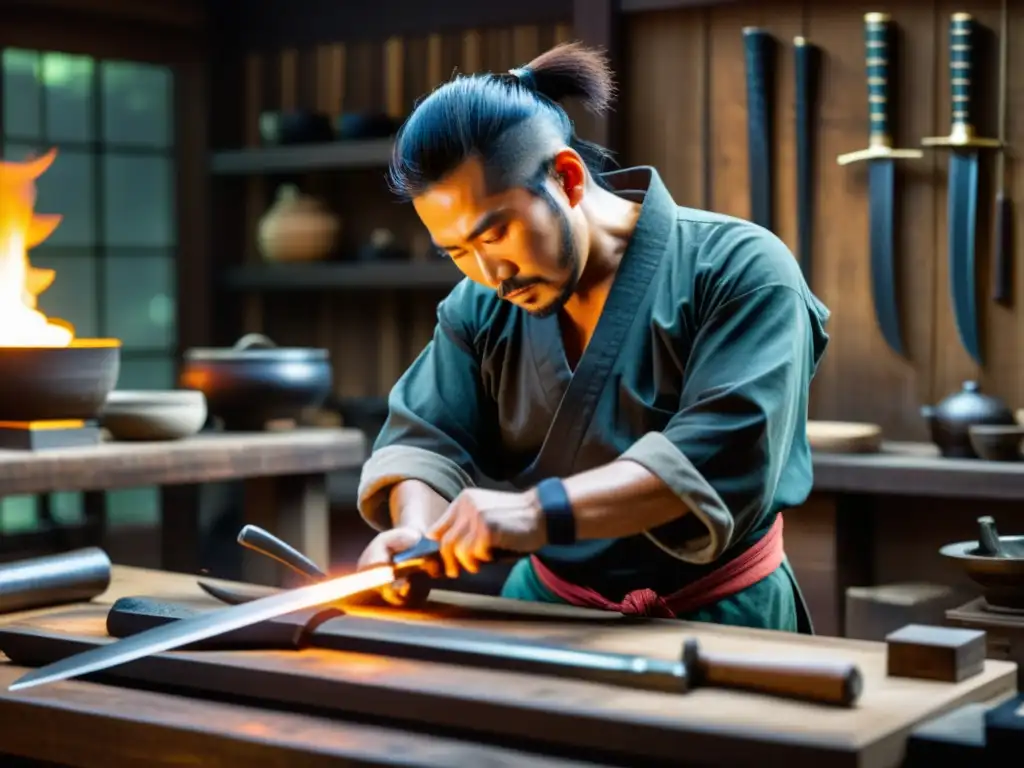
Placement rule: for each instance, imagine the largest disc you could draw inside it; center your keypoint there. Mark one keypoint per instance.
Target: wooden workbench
(87, 724)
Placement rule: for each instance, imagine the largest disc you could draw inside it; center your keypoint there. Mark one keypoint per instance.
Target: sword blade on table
(207, 625)
(881, 159)
(962, 212)
(758, 48)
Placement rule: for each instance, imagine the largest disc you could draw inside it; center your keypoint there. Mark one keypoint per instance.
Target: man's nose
(496, 271)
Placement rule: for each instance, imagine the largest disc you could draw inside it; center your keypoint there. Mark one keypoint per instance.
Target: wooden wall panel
(373, 336)
(684, 105)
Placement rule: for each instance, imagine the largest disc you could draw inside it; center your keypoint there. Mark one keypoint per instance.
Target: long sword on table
(208, 625)
(881, 158)
(962, 201)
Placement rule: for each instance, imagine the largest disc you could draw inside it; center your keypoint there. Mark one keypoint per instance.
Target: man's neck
(611, 221)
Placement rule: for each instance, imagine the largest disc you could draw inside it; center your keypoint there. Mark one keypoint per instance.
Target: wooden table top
(872, 733)
(207, 457)
(917, 469)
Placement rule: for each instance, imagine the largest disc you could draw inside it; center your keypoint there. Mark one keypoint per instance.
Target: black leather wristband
(554, 503)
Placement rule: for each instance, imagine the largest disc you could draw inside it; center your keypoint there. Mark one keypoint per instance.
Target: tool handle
(1003, 243)
(426, 549)
(961, 58)
(877, 40)
(823, 681)
(258, 540)
(757, 46)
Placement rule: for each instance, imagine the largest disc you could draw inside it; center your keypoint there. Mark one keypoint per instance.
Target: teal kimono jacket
(699, 370)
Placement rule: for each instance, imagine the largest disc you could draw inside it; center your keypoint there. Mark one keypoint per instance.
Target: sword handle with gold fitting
(878, 45)
(961, 65)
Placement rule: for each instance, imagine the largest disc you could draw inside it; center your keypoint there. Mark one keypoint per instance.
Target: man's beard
(568, 260)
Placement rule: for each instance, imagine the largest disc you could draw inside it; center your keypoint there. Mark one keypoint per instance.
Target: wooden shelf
(297, 158)
(335, 276)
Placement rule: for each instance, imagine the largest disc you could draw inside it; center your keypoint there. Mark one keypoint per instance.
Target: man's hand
(479, 521)
(384, 547)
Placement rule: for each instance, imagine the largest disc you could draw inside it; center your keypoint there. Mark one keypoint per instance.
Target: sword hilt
(878, 50)
(961, 66)
(877, 38)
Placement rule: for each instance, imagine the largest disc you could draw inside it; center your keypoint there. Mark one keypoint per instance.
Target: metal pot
(58, 383)
(256, 381)
(950, 421)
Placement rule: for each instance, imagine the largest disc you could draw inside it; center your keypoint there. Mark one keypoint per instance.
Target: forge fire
(22, 324)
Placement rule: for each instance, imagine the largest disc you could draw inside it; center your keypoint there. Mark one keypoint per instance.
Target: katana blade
(963, 217)
(205, 626)
(881, 186)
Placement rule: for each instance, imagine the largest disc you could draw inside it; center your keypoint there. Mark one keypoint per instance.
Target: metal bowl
(1001, 578)
(255, 381)
(58, 383)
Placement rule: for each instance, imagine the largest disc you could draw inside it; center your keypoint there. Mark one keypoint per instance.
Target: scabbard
(69, 577)
(758, 49)
(806, 104)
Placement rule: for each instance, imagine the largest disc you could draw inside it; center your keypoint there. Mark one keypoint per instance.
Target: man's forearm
(414, 504)
(620, 499)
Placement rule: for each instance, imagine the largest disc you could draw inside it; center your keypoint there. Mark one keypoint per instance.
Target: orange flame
(21, 323)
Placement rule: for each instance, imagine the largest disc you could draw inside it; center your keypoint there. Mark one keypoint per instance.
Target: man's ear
(571, 172)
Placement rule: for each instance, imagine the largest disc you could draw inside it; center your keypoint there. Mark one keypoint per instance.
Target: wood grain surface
(203, 458)
(713, 724)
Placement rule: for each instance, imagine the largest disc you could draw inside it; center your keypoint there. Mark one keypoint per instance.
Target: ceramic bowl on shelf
(153, 414)
(997, 442)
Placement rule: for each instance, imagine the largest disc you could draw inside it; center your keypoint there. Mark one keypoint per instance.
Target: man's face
(517, 242)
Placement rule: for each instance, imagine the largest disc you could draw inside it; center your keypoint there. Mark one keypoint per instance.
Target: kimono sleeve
(436, 426)
(741, 421)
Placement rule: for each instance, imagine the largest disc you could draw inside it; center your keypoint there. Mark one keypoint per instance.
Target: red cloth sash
(741, 572)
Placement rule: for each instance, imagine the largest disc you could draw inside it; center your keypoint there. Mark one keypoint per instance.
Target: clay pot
(297, 228)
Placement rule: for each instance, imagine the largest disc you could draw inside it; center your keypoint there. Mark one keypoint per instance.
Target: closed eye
(496, 235)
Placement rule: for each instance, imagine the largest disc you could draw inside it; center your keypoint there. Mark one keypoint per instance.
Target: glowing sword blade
(204, 626)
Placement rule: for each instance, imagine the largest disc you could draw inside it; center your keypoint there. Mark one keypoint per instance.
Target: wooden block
(935, 653)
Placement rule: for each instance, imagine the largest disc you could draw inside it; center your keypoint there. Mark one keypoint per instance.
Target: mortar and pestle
(995, 563)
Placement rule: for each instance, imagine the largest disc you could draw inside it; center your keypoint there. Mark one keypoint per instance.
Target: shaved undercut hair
(512, 121)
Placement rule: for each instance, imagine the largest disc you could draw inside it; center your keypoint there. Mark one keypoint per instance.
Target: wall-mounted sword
(962, 213)
(806, 70)
(1002, 270)
(881, 156)
(759, 48)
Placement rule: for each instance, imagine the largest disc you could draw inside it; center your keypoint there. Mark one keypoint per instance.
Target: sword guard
(962, 135)
(879, 153)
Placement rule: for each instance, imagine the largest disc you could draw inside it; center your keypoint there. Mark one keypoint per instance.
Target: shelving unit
(343, 276)
(300, 158)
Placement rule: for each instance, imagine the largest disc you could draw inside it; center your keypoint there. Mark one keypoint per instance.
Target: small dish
(153, 414)
(997, 442)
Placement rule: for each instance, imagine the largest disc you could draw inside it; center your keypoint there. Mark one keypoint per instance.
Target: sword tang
(758, 49)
